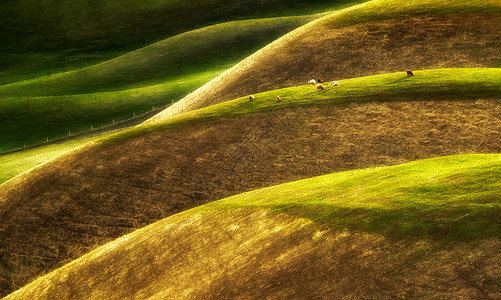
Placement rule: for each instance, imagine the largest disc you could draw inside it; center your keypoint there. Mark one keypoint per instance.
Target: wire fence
(113, 125)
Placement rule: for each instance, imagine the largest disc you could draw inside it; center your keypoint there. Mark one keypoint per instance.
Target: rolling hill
(376, 37)
(349, 234)
(154, 76)
(426, 229)
(75, 203)
(45, 37)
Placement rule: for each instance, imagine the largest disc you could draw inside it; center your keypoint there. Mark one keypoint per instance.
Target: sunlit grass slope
(451, 84)
(80, 112)
(30, 120)
(412, 230)
(71, 205)
(16, 163)
(371, 38)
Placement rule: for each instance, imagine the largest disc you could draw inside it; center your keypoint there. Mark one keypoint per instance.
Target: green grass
(455, 84)
(450, 84)
(16, 163)
(114, 90)
(456, 197)
(30, 120)
(82, 31)
(170, 59)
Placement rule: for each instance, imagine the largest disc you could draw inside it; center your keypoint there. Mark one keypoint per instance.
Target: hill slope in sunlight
(371, 38)
(67, 207)
(426, 229)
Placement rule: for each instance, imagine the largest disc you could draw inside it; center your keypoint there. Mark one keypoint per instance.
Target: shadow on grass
(447, 223)
(401, 79)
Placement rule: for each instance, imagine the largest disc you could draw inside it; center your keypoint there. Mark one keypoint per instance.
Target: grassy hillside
(56, 24)
(174, 58)
(131, 84)
(371, 38)
(426, 229)
(40, 37)
(14, 164)
(77, 202)
(446, 83)
(451, 84)
(30, 120)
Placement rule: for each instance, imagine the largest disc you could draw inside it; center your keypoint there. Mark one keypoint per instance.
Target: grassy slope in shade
(173, 58)
(52, 35)
(233, 82)
(31, 119)
(407, 229)
(450, 84)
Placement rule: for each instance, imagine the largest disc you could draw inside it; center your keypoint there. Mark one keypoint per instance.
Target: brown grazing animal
(319, 80)
(320, 87)
(251, 97)
(409, 73)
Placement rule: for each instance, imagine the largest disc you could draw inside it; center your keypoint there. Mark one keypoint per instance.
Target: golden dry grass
(331, 49)
(70, 206)
(254, 255)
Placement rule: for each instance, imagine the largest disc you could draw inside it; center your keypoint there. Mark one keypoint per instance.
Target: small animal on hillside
(320, 87)
(334, 83)
(409, 73)
(319, 80)
(251, 97)
(312, 82)
(278, 99)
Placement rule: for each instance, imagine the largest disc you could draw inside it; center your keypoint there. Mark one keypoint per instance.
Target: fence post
(91, 127)
(47, 139)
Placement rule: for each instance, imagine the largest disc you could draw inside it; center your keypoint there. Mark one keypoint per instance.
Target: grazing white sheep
(334, 83)
(251, 97)
(320, 87)
(312, 82)
(278, 99)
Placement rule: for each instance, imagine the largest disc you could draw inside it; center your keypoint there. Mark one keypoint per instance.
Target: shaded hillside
(176, 57)
(153, 76)
(57, 24)
(73, 204)
(427, 229)
(47, 36)
(372, 38)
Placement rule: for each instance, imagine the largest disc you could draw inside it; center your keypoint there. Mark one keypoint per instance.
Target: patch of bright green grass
(450, 84)
(16, 163)
(456, 197)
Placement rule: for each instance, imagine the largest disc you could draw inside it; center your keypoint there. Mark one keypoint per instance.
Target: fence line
(135, 120)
